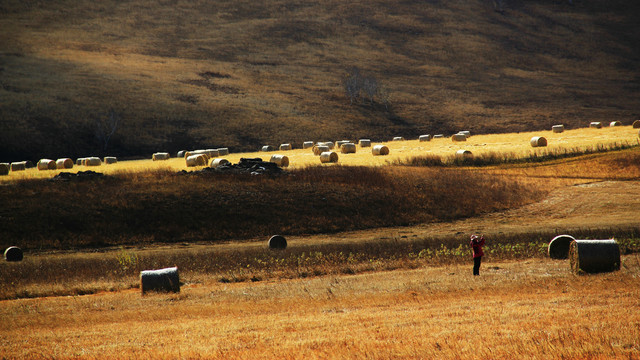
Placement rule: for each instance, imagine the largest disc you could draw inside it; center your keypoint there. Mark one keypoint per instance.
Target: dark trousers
(476, 265)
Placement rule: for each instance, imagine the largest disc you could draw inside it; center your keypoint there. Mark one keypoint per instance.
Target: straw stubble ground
(529, 309)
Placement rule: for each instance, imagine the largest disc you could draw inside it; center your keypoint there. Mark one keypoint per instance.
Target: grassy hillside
(189, 74)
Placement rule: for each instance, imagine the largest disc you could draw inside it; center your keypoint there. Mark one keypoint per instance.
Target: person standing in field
(476, 245)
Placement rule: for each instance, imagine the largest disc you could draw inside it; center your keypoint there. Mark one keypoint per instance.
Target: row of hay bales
(589, 256)
(59, 164)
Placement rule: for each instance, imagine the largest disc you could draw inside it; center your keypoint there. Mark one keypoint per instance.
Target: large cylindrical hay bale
(464, 154)
(284, 147)
(438, 136)
(593, 256)
(557, 128)
(47, 164)
(537, 141)
(80, 161)
(380, 150)
(466, 133)
(636, 124)
(110, 160)
(267, 148)
(160, 156)
(19, 166)
(339, 143)
(223, 151)
(217, 162)
(93, 161)
(277, 242)
(213, 153)
(328, 144)
(196, 160)
(162, 280)
(180, 153)
(307, 144)
(595, 124)
(64, 163)
(329, 157)
(319, 149)
(4, 168)
(559, 246)
(280, 160)
(364, 142)
(348, 148)
(424, 138)
(13, 253)
(398, 138)
(615, 123)
(458, 137)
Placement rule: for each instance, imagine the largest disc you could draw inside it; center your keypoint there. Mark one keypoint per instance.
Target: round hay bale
(196, 160)
(438, 136)
(328, 144)
(328, 157)
(161, 280)
(348, 148)
(277, 242)
(424, 138)
(223, 151)
(615, 123)
(464, 154)
(217, 162)
(364, 142)
(537, 141)
(64, 163)
(380, 150)
(557, 128)
(284, 147)
(593, 256)
(319, 149)
(29, 164)
(47, 164)
(595, 125)
(4, 168)
(267, 148)
(160, 156)
(212, 153)
(559, 246)
(398, 138)
(339, 143)
(93, 161)
(110, 160)
(465, 133)
(13, 253)
(458, 137)
(180, 153)
(307, 144)
(80, 161)
(280, 160)
(19, 166)
(636, 124)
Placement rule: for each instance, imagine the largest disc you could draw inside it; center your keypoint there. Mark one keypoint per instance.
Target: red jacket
(476, 245)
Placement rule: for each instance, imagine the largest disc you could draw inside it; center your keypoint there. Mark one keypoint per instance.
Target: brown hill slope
(180, 74)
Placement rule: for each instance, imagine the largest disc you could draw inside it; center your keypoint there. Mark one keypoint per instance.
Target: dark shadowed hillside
(185, 74)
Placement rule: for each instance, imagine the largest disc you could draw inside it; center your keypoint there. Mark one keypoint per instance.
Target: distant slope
(239, 73)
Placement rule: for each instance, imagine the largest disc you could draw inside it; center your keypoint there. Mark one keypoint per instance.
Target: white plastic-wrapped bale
(557, 128)
(19, 166)
(13, 253)
(307, 144)
(464, 154)
(595, 125)
(280, 160)
(615, 123)
(465, 133)
(593, 256)
(284, 147)
(329, 157)
(64, 163)
(93, 161)
(217, 162)
(223, 151)
(424, 138)
(47, 164)
(277, 242)
(538, 141)
(348, 148)
(181, 153)
(636, 124)
(160, 156)
(110, 160)
(398, 138)
(559, 246)
(458, 137)
(196, 160)
(364, 142)
(380, 150)
(319, 149)
(438, 136)
(267, 148)
(162, 280)
(4, 168)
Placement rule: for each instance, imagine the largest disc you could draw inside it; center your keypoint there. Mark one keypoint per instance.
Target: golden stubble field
(533, 309)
